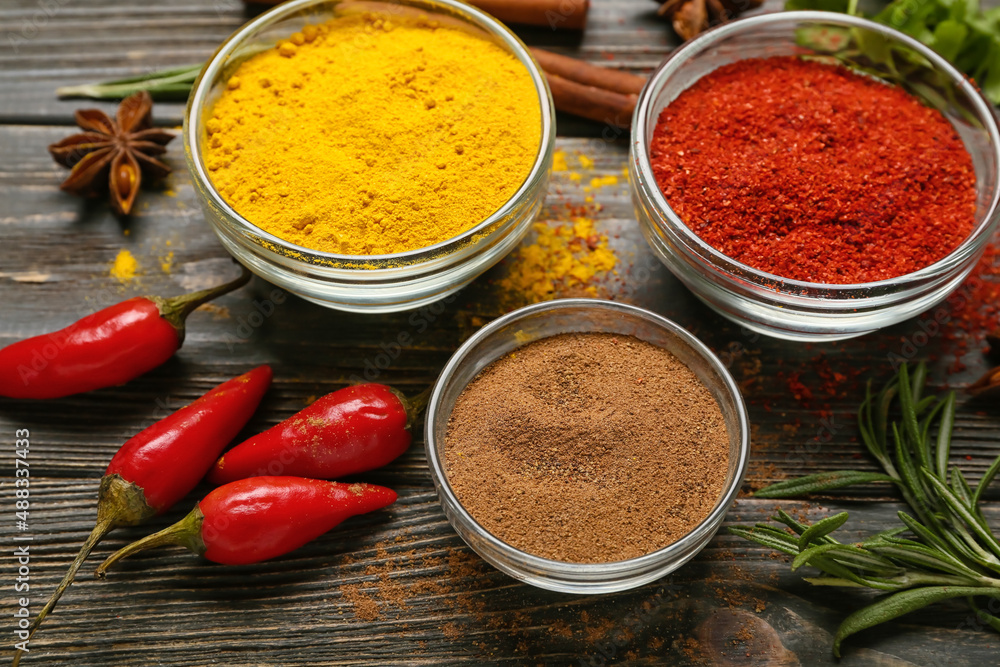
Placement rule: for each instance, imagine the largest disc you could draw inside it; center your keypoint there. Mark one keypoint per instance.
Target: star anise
(112, 154)
(987, 384)
(693, 17)
(993, 340)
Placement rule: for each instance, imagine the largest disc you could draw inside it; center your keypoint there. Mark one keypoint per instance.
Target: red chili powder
(812, 172)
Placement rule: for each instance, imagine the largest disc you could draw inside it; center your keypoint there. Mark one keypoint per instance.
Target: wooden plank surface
(82, 41)
(397, 587)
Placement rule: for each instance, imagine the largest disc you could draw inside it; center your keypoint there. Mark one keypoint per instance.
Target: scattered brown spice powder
(452, 631)
(587, 448)
(561, 629)
(365, 607)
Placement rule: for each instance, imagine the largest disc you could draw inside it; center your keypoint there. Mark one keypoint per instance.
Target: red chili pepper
(256, 519)
(352, 430)
(107, 348)
(163, 463)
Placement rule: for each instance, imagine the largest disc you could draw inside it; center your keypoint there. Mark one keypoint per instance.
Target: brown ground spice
(365, 607)
(587, 448)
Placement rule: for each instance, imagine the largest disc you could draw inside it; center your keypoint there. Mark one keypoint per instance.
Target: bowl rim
(738, 271)
(197, 106)
(569, 569)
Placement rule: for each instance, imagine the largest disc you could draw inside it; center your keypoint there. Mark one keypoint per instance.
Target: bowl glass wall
(788, 308)
(369, 283)
(583, 315)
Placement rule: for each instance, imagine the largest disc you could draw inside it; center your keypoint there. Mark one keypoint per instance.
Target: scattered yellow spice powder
(124, 267)
(371, 134)
(167, 262)
(601, 181)
(562, 258)
(559, 162)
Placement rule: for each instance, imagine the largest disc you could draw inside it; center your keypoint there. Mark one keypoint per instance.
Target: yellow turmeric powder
(563, 258)
(125, 266)
(371, 135)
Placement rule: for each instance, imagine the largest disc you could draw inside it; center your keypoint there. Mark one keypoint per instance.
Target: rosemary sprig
(955, 553)
(170, 84)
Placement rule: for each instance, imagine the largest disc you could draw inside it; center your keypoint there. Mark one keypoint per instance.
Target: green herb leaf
(985, 617)
(901, 603)
(961, 488)
(881, 422)
(823, 481)
(932, 538)
(907, 406)
(849, 556)
(960, 31)
(790, 521)
(988, 476)
(917, 382)
(949, 38)
(955, 553)
(821, 528)
(763, 539)
(959, 508)
(170, 84)
(947, 425)
(832, 581)
(884, 535)
(836, 569)
(925, 557)
(776, 533)
(912, 487)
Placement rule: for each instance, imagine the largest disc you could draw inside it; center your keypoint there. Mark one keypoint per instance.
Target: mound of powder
(587, 448)
(810, 171)
(374, 134)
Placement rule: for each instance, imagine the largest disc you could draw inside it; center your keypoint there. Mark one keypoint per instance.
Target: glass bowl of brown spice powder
(370, 156)
(815, 176)
(586, 446)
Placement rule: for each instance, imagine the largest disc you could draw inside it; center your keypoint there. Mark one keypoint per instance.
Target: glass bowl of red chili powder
(814, 176)
(507, 338)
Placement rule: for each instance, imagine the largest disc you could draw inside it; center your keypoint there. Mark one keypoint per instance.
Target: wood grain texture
(95, 40)
(437, 603)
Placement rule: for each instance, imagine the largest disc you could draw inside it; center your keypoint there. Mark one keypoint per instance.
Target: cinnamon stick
(568, 14)
(580, 71)
(598, 104)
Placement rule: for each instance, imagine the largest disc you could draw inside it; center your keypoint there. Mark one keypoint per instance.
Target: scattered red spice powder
(974, 308)
(809, 171)
(799, 390)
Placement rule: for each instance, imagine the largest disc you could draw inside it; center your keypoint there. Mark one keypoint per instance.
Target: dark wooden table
(398, 587)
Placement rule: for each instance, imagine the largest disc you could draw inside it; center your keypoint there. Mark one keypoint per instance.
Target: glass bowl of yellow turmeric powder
(371, 156)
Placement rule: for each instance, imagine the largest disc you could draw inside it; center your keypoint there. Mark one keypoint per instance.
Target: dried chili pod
(163, 463)
(260, 518)
(105, 349)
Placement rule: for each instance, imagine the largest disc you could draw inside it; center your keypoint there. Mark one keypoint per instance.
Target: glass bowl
(787, 308)
(369, 283)
(583, 315)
